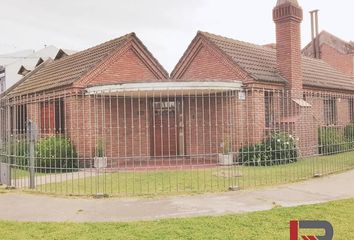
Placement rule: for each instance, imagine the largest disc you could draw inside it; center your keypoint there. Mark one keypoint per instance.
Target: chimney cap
(293, 2)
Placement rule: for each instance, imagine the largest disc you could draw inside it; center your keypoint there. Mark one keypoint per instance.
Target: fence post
(31, 136)
(8, 141)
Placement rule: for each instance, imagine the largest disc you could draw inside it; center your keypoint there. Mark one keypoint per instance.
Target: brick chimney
(287, 15)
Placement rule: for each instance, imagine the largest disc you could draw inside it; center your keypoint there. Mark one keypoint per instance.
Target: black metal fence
(169, 142)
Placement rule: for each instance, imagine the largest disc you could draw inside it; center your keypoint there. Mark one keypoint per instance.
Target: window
(52, 117)
(330, 111)
(18, 119)
(268, 108)
(351, 110)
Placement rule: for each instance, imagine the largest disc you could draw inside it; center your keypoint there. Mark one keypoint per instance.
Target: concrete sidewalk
(29, 207)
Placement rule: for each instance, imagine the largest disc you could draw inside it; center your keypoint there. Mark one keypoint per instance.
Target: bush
(279, 148)
(349, 132)
(56, 154)
(254, 155)
(331, 141)
(282, 148)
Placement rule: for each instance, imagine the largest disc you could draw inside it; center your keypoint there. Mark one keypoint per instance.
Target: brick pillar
(287, 16)
(306, 132)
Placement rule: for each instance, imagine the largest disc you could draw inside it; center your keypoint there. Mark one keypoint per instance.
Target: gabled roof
(66, 71)
(61, 53)
(260, 63)
(335, 42)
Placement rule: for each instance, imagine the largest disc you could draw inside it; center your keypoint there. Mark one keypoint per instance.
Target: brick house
(52, 96)
(335, 51)
(116, 93)
(264, 70)
(223, 92)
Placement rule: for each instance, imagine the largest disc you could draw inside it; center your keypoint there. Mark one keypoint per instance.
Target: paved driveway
(30, 207)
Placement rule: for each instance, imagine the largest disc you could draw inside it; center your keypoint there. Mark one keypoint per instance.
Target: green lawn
(18, 173)
(272, 225)
(197, 180)
(3, 190)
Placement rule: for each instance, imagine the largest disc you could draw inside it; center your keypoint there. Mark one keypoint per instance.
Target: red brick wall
(128, 67)
(305, 131)
(206, 66)
(213, 121)
(33, 113)
(342, 104)
(255, 112)
(79, 124)
(343, 111)
(342, 62)
(121, 124)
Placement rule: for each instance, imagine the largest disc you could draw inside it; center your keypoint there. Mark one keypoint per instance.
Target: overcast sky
(165, 26)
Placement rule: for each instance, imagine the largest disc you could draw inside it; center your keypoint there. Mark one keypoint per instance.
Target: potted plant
(226, 157)
(100, 161)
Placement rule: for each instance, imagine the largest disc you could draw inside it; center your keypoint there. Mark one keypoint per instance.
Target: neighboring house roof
(260, 63)
(32, 61)
(65, 72)
(324, 37)
(21, 63)
(42, 65)
(28, 64)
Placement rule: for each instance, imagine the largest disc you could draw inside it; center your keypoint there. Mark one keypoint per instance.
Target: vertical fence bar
(31, 136)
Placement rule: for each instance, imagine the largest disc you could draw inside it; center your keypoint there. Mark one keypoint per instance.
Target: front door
(164, 128)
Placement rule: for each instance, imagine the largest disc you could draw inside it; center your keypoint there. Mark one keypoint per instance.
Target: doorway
(165, 128)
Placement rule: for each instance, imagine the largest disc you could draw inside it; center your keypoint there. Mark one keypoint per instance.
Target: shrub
(282, 148)
(349, 132)
(331, 141)
(349, 135)
(279, 148)
(56, 154)
(254, 155)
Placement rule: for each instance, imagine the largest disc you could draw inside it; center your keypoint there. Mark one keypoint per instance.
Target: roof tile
(66, 71)
(260, 62)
